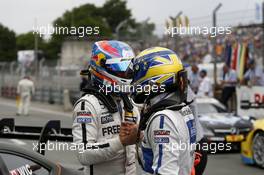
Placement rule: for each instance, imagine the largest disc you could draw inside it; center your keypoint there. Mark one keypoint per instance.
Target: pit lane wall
(250, 101)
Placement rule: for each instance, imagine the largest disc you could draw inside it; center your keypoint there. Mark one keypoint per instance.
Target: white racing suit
(169, 142)
(25, 89)
(104, 153)
(191, 98)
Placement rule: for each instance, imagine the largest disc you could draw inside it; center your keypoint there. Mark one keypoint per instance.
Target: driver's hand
(128, 133)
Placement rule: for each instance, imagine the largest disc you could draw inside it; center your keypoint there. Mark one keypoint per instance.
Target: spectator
(194, 78)
(254, 75)
(205, 88)
(207, 58)
(25, 89)
(228, 83)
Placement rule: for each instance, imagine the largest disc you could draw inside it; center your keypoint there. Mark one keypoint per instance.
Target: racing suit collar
(159, 98)
(145, 106)
(161, 102)
(165, 96)
(115, 97)
(140, 106)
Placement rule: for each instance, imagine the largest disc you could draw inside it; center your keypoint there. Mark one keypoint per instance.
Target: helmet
(162, 67)
(110, 64)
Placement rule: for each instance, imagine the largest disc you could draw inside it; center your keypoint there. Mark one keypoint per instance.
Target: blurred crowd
(199, 49)
(240, 51)
(202, 85)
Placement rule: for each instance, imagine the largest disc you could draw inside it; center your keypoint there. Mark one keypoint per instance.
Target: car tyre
(258, 149)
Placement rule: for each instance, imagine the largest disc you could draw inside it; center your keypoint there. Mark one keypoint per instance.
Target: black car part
(51, 131)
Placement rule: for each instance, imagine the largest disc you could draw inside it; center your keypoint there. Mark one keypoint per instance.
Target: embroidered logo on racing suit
(192, 131)
(84, 120)
(185, 111)
(161, 136)
(161, 132)
(115, 129)
(84, 114)
(107, 119)
(161, 139)
(84, 117)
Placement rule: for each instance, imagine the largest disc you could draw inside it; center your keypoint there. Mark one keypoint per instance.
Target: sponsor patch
(131, 119)
(111, 130)
(185, 111)
(84, 114)
(107, 119)
(161, 132)
(192, 131)
(84, 120)
(161, 139)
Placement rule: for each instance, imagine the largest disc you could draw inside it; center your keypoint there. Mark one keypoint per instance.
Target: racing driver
(99, 113)
(167, 122)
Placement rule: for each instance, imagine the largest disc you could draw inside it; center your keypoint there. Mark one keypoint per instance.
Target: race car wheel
(258, 149)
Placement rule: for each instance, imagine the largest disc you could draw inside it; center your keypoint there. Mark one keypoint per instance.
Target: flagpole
(262, 25)
(214, 43)
(36, 50)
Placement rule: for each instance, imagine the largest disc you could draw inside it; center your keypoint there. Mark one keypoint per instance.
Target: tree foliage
(115, 11)
(107, 17)
(87, 15)
(137, 31)
(7, 44)
(26, 41)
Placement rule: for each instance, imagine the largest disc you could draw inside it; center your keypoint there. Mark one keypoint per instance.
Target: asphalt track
(40, 114)
(218, 164)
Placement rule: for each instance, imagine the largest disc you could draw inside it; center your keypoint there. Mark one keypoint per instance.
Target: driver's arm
(87, 132)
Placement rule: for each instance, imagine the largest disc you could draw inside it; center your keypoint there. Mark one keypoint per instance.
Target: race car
(252, 148)
(221, 126)
(15, 160)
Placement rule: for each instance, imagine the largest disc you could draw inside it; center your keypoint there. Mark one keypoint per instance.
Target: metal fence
(50, 82)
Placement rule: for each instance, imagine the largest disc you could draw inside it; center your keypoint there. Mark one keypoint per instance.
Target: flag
(239, 55)
(242, 61)
(234, 56)
(239, 48)
(228, 54)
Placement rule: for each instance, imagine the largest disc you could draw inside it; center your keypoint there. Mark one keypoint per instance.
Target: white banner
(250, 101)
(25, 57)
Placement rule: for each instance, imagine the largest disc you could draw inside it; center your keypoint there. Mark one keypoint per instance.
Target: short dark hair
(251, 61)
(204, 72)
